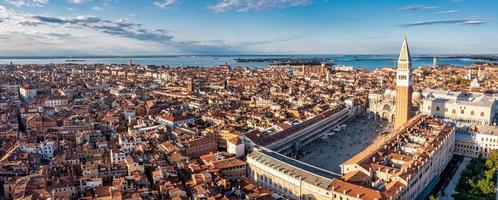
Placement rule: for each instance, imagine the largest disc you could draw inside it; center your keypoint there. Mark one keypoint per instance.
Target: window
(472, 113)
(462, 112)
(437, 108)
(454, 111)
(482, 114)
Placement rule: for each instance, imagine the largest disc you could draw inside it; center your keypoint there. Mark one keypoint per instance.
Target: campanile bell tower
(403, 86)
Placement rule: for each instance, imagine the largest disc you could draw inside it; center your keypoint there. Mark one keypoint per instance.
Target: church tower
(403, 86)
(469, 74)
(434, 62)
(190, 85)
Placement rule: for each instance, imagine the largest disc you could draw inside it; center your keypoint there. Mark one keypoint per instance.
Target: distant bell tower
(469, 74)
(403, 86)
(479, 74)
(434, 62)
(190, 85)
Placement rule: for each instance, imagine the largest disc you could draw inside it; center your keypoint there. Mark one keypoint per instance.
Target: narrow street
(450, 189)
(9, 153)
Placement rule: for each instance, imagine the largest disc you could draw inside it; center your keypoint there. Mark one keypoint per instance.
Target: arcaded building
(464, 107)
(404, 165)
(399, 167)
(382, 106)
(476, 143)
(288, 177)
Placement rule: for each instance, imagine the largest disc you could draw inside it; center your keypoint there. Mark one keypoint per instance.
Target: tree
(486, 186)
(492, 161)
(478, 179)
(490, 174)
(432, 197)
(473, 185)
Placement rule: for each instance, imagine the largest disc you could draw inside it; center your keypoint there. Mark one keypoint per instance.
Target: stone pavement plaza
(331, 152)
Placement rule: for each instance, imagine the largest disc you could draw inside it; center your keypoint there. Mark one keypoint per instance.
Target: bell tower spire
(404, 55)
(403, 85)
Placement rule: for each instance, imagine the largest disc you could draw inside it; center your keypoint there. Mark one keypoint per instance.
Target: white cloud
(472, 21)
(446, 12)
(254, 5)
(45, 43)
(27, 3)
(165, 4)
(417, 8)
(96, 8)
(28, 34)
(76, 1)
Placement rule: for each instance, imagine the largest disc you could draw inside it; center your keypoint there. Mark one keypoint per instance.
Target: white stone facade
(476, 143)
(460, 107)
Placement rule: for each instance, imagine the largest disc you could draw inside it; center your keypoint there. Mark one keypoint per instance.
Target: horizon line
(234, 55)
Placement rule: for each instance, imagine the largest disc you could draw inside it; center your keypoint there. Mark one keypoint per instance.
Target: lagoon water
(358, 61)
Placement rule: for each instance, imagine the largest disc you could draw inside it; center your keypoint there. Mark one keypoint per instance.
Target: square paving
(329, 153)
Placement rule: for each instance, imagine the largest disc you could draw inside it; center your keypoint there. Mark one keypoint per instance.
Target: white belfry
(469, 74)
(434, 62)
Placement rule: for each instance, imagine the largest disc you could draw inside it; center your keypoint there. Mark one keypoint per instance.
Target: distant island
(286, 61)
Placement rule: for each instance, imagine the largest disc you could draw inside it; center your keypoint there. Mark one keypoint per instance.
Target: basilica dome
(417, 95)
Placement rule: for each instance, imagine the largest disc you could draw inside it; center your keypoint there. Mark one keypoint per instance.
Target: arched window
(462, 112)
(482, 114)
(472, 113)
(454, 111)
(437, 108)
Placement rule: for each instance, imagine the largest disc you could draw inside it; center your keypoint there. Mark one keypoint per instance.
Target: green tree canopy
(492, 161)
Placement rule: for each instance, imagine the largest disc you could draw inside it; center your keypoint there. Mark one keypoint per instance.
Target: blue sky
(163, 27)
